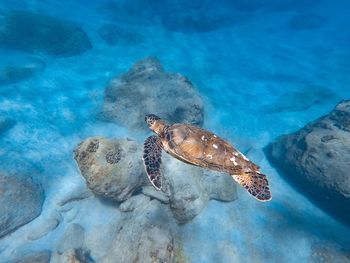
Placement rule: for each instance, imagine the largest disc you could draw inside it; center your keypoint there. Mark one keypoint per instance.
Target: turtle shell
(199, 147)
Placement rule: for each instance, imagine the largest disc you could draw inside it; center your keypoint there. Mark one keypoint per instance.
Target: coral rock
(147, 88)
(31, 32)
(111, 168)
(15, 190)
(317, 158)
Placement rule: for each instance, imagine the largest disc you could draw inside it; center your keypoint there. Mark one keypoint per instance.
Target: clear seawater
(246, 69)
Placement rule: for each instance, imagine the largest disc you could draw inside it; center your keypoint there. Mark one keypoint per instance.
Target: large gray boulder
(187, 193)
(147, 233)
(21, 201)
(114, 169)
(111, 168)
(31, 32)
(72, 238)
(190, 188)
(147, 88)
(317, 158)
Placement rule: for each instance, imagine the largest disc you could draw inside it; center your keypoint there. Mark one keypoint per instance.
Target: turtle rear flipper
(152, 158)
(256, 184)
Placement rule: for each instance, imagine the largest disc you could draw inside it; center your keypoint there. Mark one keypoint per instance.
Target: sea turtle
(196, 146)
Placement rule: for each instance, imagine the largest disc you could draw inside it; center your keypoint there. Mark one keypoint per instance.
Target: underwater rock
(150, 191)
(196, 22)
(72, 238)
(6, 124)
(114, 35)
(47, 226)
(186, 188)
(328, 253)
(306, 22)
(147, 88)
(76, 255)
(187, 194)
(31, 32)
(148, 233)
(34, 257)
(219, 186)
(111, 168)
(16, 190)
(132, 203)
(190, 188)
(317, 159)
(77, 195)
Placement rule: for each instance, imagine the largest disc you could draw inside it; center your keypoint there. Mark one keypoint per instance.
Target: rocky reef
(147, 88)
(31, 32)
(317, 159)
(113, 169)
(149, 227)
(21, 201)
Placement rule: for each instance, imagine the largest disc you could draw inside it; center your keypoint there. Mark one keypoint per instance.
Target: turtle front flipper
(255, 183)
(152, 158)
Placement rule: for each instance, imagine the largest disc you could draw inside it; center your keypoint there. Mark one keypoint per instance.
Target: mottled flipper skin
(199, 147)
(152, 158)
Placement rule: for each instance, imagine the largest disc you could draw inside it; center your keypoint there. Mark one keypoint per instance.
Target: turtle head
(155, 123)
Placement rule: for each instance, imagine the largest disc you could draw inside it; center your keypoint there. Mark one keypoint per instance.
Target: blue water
(249, 66)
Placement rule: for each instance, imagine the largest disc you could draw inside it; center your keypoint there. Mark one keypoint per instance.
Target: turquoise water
(263, 68)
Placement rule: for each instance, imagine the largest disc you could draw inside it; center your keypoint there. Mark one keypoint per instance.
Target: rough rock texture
(186, 188)
(76, 255)
(111, 168)
(147, 88)
(15, 190)
(190, 188)
(219, 186)
(34, 257)
(31, 32)
(148, 233)
(6, 124)
(47, 226)
(328, 253)
(317, 158)
(73, 238)
(115, 35)
(187, 194)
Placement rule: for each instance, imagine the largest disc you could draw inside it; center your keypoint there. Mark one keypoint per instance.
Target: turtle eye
(150, 118)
